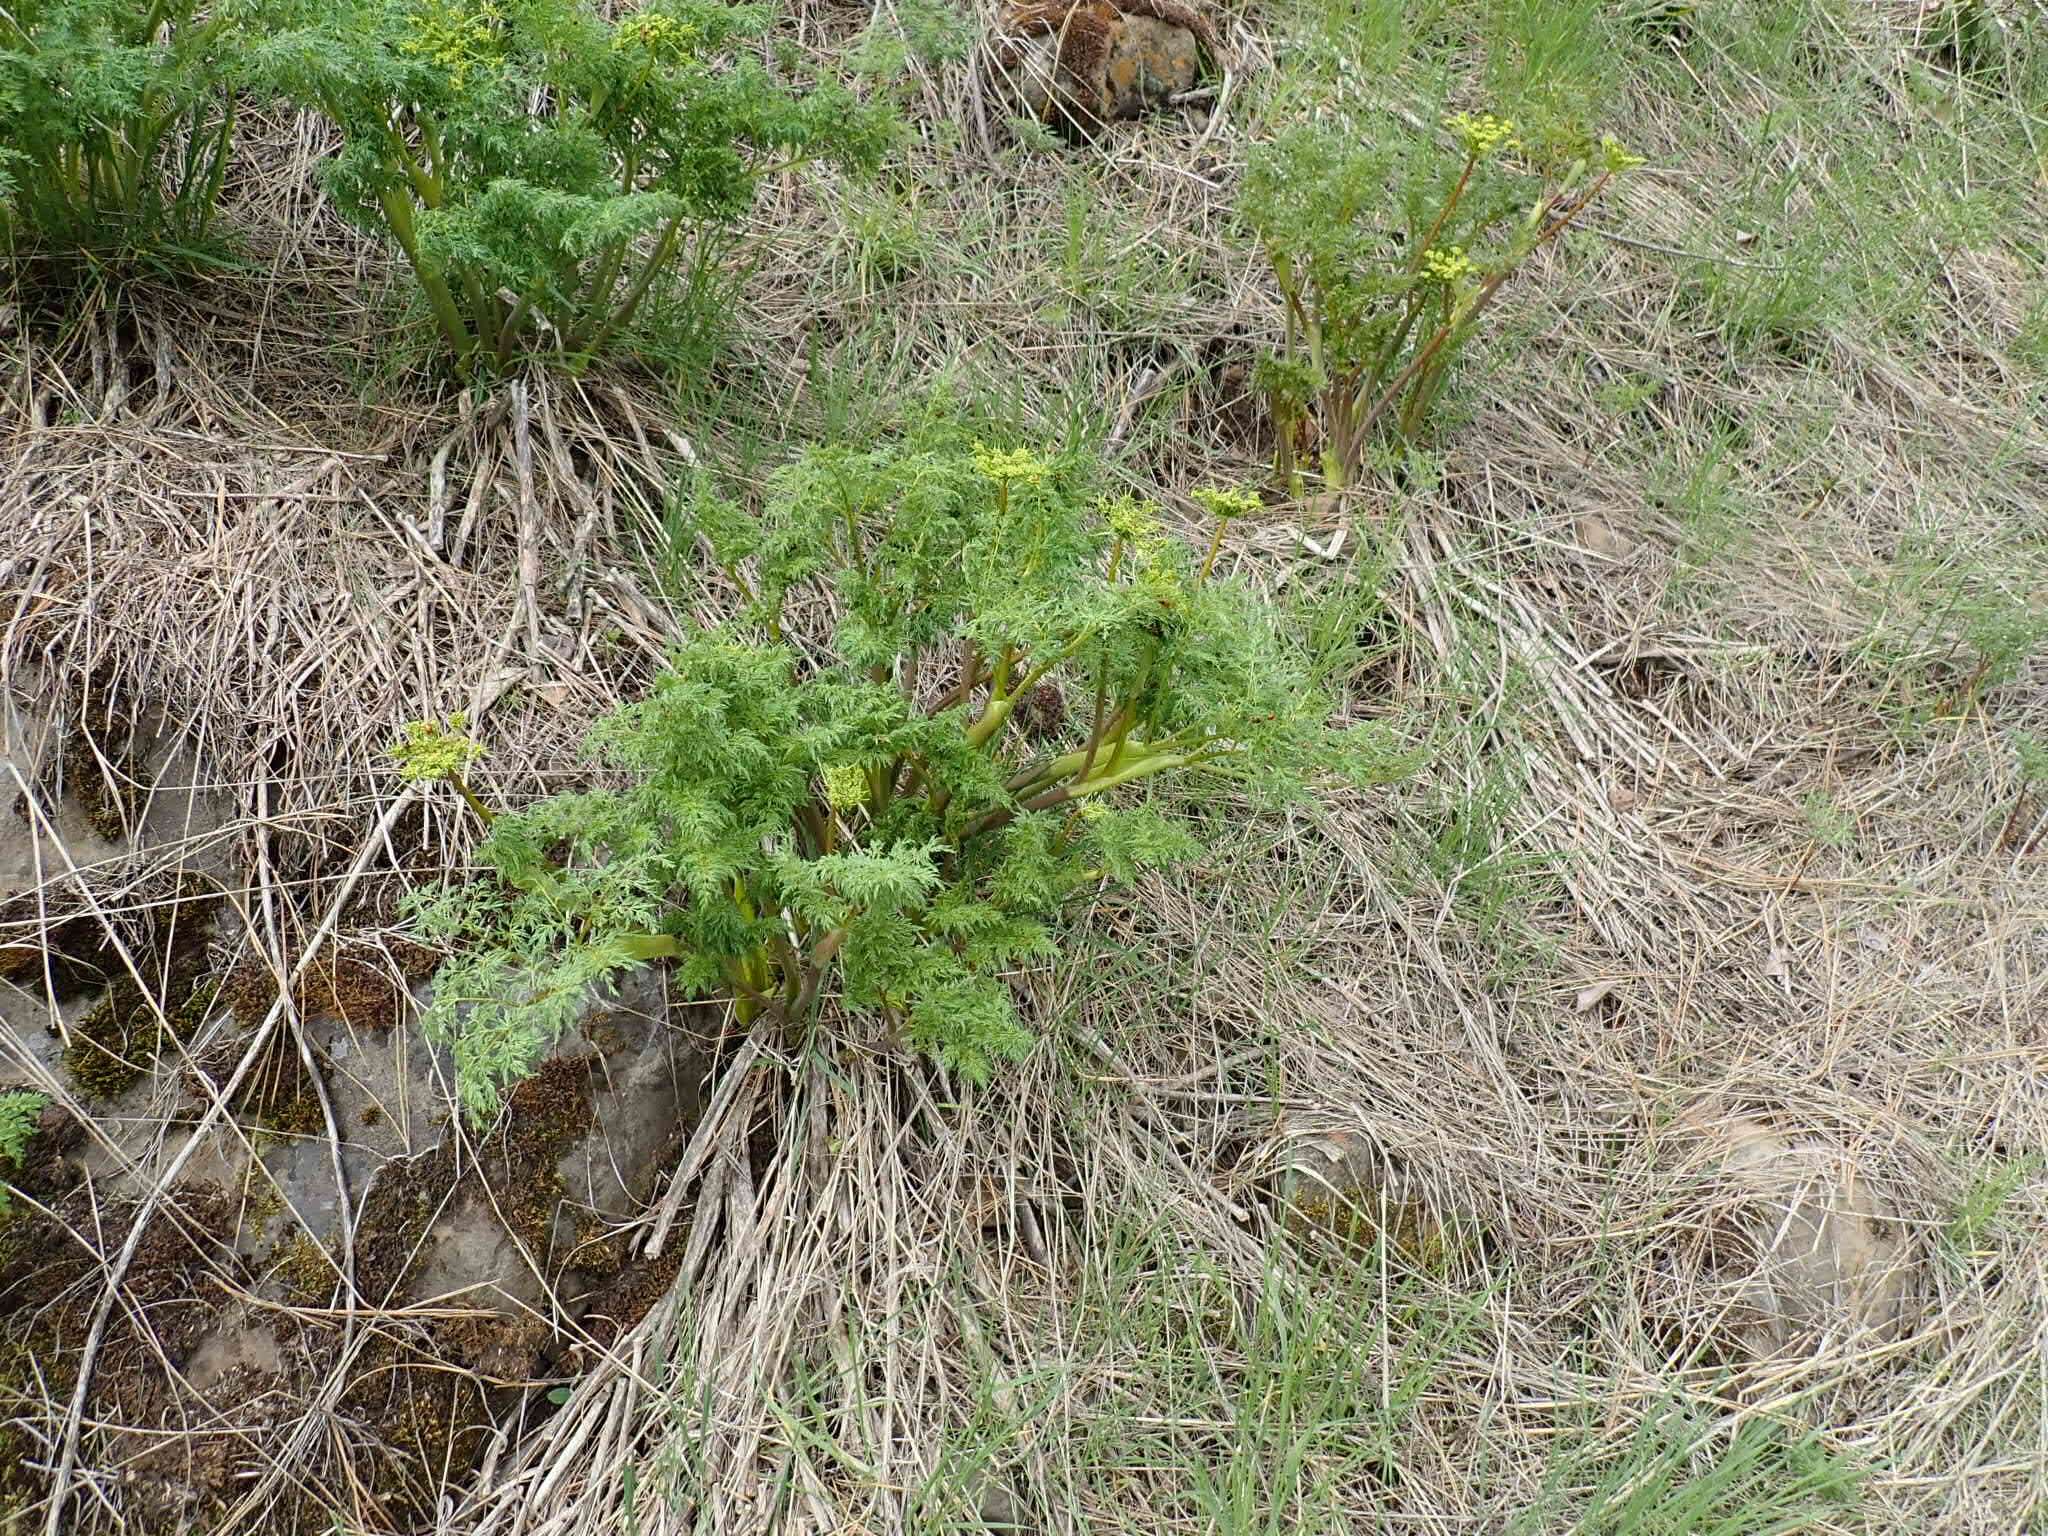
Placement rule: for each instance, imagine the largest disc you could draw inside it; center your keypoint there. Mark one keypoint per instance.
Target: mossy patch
(366, 983)
(41, 1169)
(49, 1285)
(432, 1426)
(304, 1269)
(122, 1035)
(545, 1114)
(617, 1306)
(435, 1419)
(279, 1094)
(396, 1213)
(66, 949)
(101, 761)
(101, 757)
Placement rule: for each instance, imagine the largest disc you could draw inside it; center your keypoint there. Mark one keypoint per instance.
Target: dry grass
(1717, 822)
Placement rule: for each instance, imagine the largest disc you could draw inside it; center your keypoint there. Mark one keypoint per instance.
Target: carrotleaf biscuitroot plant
(898, 818)
(116, 121)
(1377, 301)
(546, 171)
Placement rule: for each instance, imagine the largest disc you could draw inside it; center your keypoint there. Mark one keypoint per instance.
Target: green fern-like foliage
(20, 1111)
(543, 168)
(116, 120)
(873, 821)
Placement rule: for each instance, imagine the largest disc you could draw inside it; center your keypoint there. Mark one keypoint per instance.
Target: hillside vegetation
(1323, 812)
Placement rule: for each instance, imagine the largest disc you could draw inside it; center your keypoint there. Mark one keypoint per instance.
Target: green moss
(305, 1270)
(122, 1035)
(197, 1006)
(113, 1045)
(545, 1114)
(105, 784)
(66, 950)
(260, 1198)
(395, 1213)
(299, 1117)
(279, 1094)
(601, 1250)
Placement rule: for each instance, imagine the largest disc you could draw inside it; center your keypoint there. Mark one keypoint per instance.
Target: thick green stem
(1387, 353)
(509, 333)
(483, 812)
(993, 719)
(1460, 325)
(440, 299)
(1101, 701)
(1036, 776)
(589, 307)
(621, 317)
(645, 947)
(1128, 715)
(787, 964)
(426, 186)
(1141, 762)
(815, 828)
(1002, 700)
(1003, 707)
(1215, 547)
(485, 313)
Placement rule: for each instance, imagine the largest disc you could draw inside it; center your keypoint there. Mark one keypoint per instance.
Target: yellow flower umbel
(1481, 133)
(1447, 264)
(1132, 520)
(655, 33)
(455, 37)
(1006, 467)
(1616, 157)
(432, 750)
(846, 786)
(1224, 503)
(1009, 466)
(1134, 527)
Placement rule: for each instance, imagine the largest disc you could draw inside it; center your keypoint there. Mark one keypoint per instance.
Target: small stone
(1814, 1251)
(1600, 537)
(1342, 1185)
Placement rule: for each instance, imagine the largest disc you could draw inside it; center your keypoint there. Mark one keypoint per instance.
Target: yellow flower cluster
(1132, 520)
(1446, 264)
(454, 37)
(1160, 581)
(1482, 133)
(1616, 156)
(1226, 502)
(432, 751)
(846, 786)
(1005, 466)
(654, 31)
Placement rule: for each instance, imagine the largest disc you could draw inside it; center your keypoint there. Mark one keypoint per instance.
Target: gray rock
(1809, 1250)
